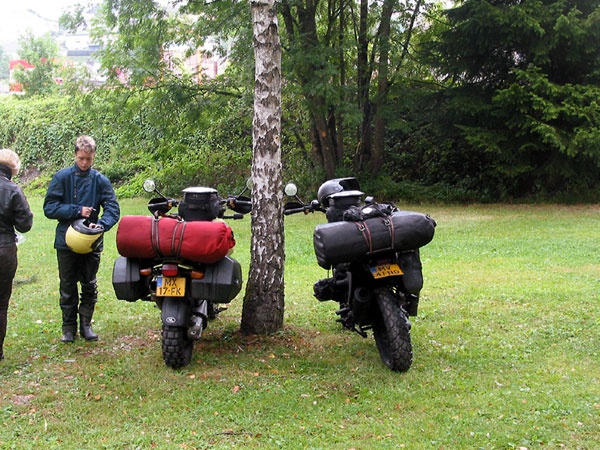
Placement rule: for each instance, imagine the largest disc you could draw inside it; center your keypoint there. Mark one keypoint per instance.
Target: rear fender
(175, 311)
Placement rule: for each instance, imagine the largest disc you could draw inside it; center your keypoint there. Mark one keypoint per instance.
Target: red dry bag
(149, 237)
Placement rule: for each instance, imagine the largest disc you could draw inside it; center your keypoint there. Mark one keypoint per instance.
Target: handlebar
(162, 205)
(296, 207)
(236, 216)
(243, 203)
(304, 209)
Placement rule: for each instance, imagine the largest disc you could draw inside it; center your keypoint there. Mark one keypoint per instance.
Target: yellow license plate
(386, 270)
(170, 287)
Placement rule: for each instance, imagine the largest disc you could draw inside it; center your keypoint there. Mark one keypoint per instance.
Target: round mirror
(149, 185)
(249, 183)
(290, 189)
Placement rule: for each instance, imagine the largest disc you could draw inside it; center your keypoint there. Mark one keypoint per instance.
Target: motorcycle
(181, 262)
(373, 251)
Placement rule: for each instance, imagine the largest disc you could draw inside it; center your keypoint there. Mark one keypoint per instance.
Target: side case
(126, 279)
(221, 283)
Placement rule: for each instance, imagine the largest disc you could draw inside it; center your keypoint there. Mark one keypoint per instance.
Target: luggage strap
(179, 225)
(364, 229)
(154, 238)
(387, 220)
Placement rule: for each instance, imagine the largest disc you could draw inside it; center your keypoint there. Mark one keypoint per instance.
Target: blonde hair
(10, 159)
(85, 143)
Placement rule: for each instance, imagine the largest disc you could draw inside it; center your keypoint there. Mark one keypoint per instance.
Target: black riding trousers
(74, 268)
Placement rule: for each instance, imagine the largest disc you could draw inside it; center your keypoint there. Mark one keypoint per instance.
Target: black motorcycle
(373, 249)
(181, 262)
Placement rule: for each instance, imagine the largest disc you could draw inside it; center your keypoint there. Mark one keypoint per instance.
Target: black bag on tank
(339, 242)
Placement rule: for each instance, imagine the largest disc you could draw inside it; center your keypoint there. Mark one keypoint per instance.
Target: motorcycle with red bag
(181, 262)
(373, 252)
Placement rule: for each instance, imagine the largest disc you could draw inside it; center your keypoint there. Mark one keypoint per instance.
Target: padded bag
(148, 237)
(339, 242)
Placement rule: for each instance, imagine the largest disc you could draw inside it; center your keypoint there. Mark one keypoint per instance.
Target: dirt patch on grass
(20, 400)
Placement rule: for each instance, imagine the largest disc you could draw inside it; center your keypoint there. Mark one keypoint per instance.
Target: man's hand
(86, 211)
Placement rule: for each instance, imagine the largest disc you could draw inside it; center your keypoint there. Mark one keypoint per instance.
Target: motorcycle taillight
(170, 270)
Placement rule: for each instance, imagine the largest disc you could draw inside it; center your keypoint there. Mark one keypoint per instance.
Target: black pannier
(410, 263)
(339, 242)
(126, 279)
(221, 283)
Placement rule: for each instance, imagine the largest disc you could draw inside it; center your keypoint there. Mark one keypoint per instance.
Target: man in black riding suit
(74, 193)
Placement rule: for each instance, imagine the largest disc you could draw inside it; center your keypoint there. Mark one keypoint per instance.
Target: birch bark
(263, 307)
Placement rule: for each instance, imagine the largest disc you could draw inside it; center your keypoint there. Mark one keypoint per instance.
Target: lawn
(506, 351)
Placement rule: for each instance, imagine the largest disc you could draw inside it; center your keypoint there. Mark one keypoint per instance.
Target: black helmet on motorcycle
(349, 185)
(81, 238)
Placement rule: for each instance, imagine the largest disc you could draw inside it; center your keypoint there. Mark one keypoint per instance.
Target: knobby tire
(391, 330)
(176, 346)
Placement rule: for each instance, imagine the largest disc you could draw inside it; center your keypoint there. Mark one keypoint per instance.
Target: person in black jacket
(14, 213)
(74, 193)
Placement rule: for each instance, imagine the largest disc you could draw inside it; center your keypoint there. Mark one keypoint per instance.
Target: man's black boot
(68, 336)
(85, 328)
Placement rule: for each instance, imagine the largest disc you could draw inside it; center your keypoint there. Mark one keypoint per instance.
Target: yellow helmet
(81, 238)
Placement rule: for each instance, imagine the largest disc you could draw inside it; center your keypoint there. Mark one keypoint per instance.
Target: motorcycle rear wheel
(176, 346)
(391, 330)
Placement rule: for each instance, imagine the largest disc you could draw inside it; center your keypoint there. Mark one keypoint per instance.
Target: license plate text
(386, 270)
(170, 287)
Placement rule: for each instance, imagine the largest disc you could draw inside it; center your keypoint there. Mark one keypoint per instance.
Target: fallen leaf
(236, 389)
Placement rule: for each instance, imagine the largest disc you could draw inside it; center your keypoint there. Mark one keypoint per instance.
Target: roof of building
(13, 64)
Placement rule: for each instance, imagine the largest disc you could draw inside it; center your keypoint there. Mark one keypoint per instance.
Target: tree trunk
(264, 299)
(382, 87)
(303, 28)
(342, 65)
(363, 149)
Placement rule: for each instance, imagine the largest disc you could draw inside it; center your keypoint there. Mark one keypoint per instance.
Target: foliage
(319, 60)
(514, 115)
(41, 130)
(520, 114)
(140, 135)
(506, 351)
(41, 53)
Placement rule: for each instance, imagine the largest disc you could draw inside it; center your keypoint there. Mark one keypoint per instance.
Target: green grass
(505, 351)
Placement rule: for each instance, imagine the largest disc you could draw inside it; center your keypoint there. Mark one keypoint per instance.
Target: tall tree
(525, 83)
(42, 53)
(383, 76)
(264, 301)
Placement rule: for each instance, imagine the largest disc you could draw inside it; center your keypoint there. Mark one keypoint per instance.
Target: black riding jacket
(14, 209)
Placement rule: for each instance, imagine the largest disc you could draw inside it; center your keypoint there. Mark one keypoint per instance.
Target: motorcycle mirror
(149, 185)
(248, 187)
(290, 190)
